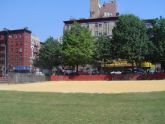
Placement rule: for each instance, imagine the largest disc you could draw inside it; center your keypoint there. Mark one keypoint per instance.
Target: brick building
(15, 49)
(108, 9)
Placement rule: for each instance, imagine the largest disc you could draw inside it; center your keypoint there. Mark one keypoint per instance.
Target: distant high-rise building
(108, 9)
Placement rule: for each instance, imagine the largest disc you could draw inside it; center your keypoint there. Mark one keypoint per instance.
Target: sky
(45, 17)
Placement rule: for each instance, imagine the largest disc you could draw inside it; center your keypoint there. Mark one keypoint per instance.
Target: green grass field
(53, 108)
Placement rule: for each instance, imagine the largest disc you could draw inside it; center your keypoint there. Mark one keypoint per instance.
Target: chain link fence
(26, 78)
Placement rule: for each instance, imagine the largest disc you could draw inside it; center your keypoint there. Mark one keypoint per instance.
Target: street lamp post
(5, 62)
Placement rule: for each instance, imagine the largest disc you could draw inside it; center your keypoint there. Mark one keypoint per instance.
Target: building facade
(15, 49)
(102, 18)
(97, 26)
(94, 8)
(35, 47)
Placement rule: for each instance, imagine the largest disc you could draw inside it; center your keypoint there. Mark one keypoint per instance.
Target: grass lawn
(53, 108)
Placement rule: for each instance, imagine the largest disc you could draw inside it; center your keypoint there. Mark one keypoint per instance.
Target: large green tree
(103, 49)
(78, 46)
(130, 40)
(49, 55)
(158, 39)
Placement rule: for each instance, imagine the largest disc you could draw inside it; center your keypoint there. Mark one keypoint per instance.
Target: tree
(49, 54)
(158, 39)
(130, 40)
(103, 48)
(78, 46)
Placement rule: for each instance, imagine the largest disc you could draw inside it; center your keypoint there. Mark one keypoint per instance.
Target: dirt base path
(88, 86)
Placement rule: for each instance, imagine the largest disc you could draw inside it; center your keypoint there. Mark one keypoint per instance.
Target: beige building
(97, 26)
(102, 18)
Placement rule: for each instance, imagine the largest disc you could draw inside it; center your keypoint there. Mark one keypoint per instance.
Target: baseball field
(88, 86)
(95, 102)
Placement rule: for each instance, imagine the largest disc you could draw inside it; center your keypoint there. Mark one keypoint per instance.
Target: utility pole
(5, 46)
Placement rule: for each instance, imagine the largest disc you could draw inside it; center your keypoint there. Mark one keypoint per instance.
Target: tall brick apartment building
(14, 49)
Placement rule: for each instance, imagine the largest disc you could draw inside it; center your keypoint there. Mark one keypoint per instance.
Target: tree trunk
(132, 63)
(76, 69)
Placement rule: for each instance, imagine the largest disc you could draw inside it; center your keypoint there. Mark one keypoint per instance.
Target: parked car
(151, 71)
(115, 72)
(127, 71)
(39, 74)
(69, 71)
(138, 71)
(135, 70)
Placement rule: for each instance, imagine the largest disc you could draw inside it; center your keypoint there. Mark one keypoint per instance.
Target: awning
(22, 68)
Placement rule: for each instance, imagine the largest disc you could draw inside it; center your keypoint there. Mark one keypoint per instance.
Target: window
(96, 33)
(112, 1)
(20, 59)
(67, 26)
(20, 43)
(105, 33)
(100, 25)
(9, 36)
(87, 25)
(1, 37)
(20, 50)
(16, 58)
(16, 50)
(16, 42)
(96, 25)
(11, 41)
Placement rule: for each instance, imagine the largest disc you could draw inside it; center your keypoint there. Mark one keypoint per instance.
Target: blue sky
(45, 17)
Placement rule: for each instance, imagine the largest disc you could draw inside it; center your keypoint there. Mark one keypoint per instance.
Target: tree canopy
(78, 46)
(158, 39)
(49, 54)
(130, 40)
(103, 48)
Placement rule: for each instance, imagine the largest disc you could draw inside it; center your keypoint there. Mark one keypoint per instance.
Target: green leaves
(78, 46)
(130, 40)
(158, 39)
(49, 54)
(103, 49)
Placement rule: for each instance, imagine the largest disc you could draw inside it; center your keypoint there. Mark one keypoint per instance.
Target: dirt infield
(88, 86)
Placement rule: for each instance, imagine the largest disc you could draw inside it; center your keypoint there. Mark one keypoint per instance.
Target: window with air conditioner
(20, 50)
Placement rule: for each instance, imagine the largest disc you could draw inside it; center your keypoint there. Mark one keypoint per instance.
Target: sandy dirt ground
(88, 86)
